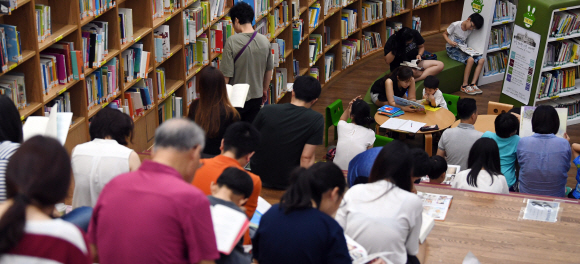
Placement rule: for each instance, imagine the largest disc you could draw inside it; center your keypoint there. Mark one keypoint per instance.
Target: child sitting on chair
(456, 35)
(432, 95)
(438, 169)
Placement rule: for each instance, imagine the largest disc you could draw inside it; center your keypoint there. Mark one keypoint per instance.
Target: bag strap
(245, 46)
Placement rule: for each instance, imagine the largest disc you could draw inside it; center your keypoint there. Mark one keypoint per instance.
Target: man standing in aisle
(247, 58)
(290, 133)
(154, 215)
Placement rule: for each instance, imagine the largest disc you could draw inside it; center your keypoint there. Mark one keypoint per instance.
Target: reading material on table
(426, 226)
(526, 121)
(229, 226)
(237, 94)
(435, 205)
(539, 210)
(402, 125)
(405, 102)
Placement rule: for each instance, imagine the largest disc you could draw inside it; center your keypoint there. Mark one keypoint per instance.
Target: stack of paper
(402, 125)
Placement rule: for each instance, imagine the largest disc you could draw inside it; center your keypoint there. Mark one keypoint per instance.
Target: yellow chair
(495, 108)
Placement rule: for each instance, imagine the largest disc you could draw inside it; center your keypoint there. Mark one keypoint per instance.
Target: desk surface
(487, 225)
(442, 118)
(482, 124)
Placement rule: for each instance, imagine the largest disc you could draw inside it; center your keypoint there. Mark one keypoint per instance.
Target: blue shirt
(576, 191)
(361, 165)
(306, 236)
(544, 163)
(507, 155)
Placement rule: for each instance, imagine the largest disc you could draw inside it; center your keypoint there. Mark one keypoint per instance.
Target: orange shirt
(212, 168)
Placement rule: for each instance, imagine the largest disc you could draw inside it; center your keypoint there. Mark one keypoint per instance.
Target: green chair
(381, 141)
(333, 113)
(451, 103)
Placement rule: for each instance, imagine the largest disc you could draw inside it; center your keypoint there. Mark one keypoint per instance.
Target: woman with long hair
(212, 111)
(406, 45)
(38, 177)
(484, 169)
(355, 137)
(400, 83)
(10, 137)
(384, 215)
(300, 229)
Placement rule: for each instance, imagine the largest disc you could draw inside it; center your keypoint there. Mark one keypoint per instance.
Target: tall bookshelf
(545, 11)
(67, 23)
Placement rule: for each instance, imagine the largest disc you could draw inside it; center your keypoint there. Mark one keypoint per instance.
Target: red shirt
(152, 216)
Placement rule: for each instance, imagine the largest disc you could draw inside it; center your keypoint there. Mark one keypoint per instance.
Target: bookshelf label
(57, 39)
(555, 96)
(105, 105)
(62, 91)
(563, 9)
(12, 66)
(560, 39)
(137, 38)
(557, 68)
(167, 19)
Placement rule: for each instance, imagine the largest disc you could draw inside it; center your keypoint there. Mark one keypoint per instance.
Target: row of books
(162, 7)
(390, 111)
(95, 37)
(126, 24)
(12, 85)
(370, 42)
(314, 47)
(330, 4)
(43, 21)
(394, 7)
(196, 17)
(416, 23)
(329, 68)
(11, 48)
(562, 52)
(392, 28)
(102, 84)
(7, 6)
(61, 102)
(279, 19)
(500, 36)
(495, 63)
(278, 50)
(90, 8)
(280, 82)
(423, 3)
(191, 91)
(555, 82)
(371, 10)
(348, 22)
(162, 44)
(314, 72)
(196, 54)
(139, 98)
(162, 89)
(262, 27)
(135, 62)
(217, 8)
(60, 64)
(350, 51)
(572, 103)
(216, 62)
(170, 108)
(313, 14)
(504, 11)
(565, 23)
(295, 67)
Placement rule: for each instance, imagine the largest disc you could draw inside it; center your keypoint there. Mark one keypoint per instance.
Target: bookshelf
(67, 24)
(546, 13)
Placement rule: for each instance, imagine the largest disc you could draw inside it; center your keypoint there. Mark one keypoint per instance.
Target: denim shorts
(460, 56)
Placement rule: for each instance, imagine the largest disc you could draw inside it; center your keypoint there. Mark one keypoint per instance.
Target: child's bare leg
(477, 70)
(468, 66)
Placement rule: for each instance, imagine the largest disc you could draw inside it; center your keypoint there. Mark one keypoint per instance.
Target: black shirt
(410, 53)
(212, 144)
(285, 129)
(306, 236)
(379, 88)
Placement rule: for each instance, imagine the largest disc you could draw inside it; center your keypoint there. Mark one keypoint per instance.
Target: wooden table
(442, 118)
(483, 123)
(487, 225)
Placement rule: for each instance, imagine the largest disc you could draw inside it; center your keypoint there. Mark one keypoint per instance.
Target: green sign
(477, 6)
(529, 18)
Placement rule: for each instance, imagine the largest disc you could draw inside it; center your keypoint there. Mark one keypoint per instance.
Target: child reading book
(456, 35)
(400, 83)
(506, 126)
(432, 95)
(233, 188)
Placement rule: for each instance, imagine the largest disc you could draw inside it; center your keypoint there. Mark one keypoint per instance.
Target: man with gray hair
(154, 214)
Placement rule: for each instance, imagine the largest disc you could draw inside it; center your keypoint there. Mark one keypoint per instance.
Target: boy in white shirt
(456, 35)
(432, 95)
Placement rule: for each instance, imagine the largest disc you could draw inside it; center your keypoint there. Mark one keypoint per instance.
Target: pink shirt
(152, 216)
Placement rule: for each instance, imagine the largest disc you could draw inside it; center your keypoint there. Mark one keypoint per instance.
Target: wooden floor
(359, 79)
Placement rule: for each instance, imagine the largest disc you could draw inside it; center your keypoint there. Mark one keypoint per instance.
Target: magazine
(469, 51)
(435, 205)
(449, 175)
(413, 64)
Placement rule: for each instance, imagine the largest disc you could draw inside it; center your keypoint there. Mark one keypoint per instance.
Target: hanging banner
(521, 63)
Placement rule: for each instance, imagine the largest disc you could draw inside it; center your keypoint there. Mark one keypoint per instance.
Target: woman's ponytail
(361, 113)
(12, 223)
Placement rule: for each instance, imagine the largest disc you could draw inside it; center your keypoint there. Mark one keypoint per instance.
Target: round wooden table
(482, 124)
(443, 118)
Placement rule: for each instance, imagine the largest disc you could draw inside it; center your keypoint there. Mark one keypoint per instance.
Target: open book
(412, 64)
(261, 209)
(229, 226)
(56, 125)
(404, 102)
(526, 121)
(237, 94)
(469, 51)
(435, 205)
(402, 125)
(449, 175)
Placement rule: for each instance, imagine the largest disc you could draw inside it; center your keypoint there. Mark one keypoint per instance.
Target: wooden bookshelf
(67, 23)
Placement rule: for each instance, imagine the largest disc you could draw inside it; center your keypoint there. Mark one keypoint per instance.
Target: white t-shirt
(352, 140)
(94, 164)
(381, 217)
(484, 184)
(439, 100)
(457, 34)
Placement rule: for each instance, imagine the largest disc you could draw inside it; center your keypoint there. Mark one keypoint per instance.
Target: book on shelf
(92, 8)
(526, 114)
(416, 23)
(350, 49)
(495, 63)
(561, 52)
(328, 65)
(565, 23)
(297, 32)
(296, 67)
(281, 83)
(13, 86)
(571, 103)
(189, 25)
(348, 21)
(229, 227)
(162, 44)
(372, 10)
(103, 83)
(397, 6)
(191, 91)
(216, 62)
(190, 58)
(435, 205)
(202, 50)
(216, 38)
(370, 42)
(43, 21)
(170, 108)
(263, 28)
(553, 83)
(315, 46)
(315, 72)
(504, 11)
(295, 9)
(56, 125)
(61, 104)
(423, 3)
(7, 6)
(161, 88)
(95, 34)
(197, 12)
(500, 36)
(313, 14)
(126, 24)
(11, 43)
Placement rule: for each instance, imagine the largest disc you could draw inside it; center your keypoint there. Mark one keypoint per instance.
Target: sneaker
(476, 89)
(468, 90)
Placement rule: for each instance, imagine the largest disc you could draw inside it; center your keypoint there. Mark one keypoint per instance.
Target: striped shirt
(49, 242)
(7, 148)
